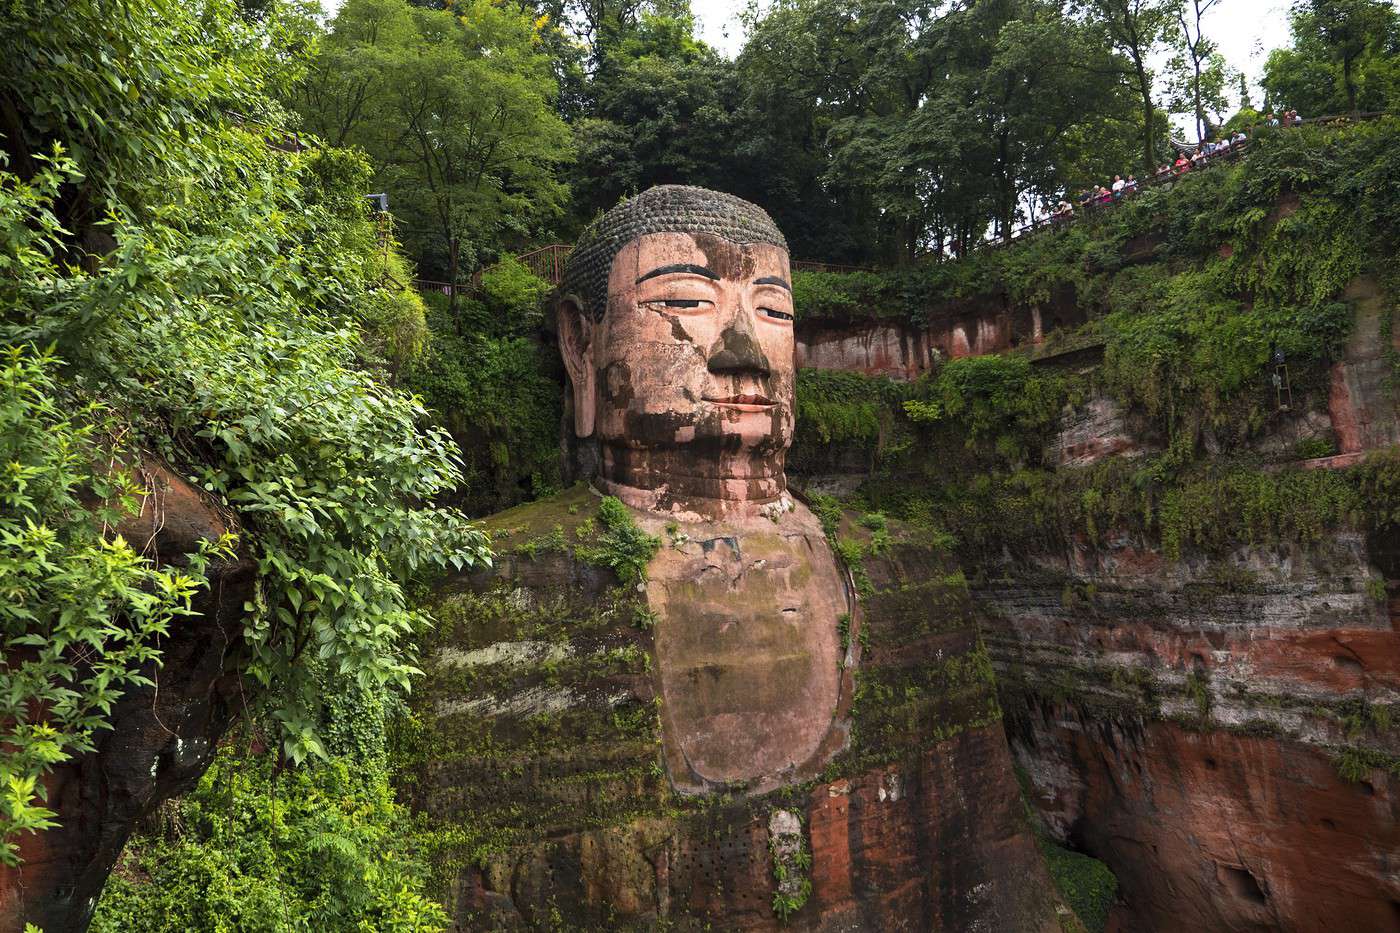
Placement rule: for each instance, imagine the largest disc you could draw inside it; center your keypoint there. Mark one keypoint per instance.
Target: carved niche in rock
(685, 752)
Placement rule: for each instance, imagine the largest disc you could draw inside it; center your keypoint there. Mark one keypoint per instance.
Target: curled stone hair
(663, 209)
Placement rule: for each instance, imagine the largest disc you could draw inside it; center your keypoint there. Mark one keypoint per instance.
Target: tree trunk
(452, 253)
(1149, 151)
(1196, 100)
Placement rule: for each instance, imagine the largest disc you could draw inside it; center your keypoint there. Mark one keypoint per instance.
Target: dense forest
(873, 132)
(192, 274)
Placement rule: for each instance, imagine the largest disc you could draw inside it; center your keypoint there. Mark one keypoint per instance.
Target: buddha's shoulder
(564, 511)
(547, 545)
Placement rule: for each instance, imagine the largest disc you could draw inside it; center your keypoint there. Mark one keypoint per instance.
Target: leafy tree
(259, 848)
(935, 121)
(455, 108)
(663, 116)
(216, 297)
(796, 73)
(1345, 56)
(1198, 72)
(1136, 29)
(1047, 77)
(80, 611)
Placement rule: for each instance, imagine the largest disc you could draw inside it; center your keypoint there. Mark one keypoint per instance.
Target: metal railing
(802, 265)
(1159, 179)
(548, 261)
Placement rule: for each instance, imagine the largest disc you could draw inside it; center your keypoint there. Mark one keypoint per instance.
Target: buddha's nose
(736, 352)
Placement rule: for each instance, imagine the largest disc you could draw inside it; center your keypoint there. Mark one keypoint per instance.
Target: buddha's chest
(747, 651)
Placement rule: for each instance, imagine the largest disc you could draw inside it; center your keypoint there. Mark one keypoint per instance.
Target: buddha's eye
(775, 314)
(678, 303)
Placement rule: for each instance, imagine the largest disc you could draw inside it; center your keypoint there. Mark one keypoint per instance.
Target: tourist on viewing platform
(1130, 185)
(1063, 213)
(1118, 184)
(1182, 163)
(1163, 170)
(1105, 196)
(1239, 139)
(1270, 119)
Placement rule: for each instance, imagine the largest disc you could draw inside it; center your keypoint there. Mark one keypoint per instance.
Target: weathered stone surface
(162, 738)
(915, 825)
(902, 349)
(1364, 409)
(1179, 721)
(1093, 431)
(748, 663)
(1214, 830)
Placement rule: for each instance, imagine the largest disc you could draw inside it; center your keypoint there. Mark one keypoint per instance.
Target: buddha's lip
(745, 402)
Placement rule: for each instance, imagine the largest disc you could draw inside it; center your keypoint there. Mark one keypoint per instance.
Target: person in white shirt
(1118, 184)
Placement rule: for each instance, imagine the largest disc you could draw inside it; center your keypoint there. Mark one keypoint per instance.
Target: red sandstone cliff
(161, 738)
(1215, 728)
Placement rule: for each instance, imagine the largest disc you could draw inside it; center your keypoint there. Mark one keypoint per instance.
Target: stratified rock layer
(1216, 727)
(1181, 724)
(541, 750)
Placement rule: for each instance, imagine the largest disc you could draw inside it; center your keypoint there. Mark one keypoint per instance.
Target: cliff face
(540, 756)
(902, 349)
(162, 737)
(1217, 728)
(1180, 721)
(1216, 722)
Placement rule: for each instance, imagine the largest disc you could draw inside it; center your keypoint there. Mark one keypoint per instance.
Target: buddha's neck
(683, 482)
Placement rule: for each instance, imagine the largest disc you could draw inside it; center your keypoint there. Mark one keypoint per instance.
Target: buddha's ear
(576, 347)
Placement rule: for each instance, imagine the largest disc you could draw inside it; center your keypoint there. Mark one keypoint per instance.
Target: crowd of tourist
(1186, 160)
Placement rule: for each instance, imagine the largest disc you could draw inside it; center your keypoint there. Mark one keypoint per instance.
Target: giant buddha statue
(676, 328)
(669, 703)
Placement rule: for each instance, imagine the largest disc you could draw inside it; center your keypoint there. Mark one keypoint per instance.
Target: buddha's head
(675, 324)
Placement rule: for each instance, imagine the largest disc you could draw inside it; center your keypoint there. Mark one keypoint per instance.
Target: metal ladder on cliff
(1283, 387)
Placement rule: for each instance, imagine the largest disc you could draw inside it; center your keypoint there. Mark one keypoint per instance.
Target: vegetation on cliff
(1191, 298)
(1189, 341)
(262, 850)
(226, 307)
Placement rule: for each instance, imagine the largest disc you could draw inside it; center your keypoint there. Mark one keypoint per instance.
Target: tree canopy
(174, 286)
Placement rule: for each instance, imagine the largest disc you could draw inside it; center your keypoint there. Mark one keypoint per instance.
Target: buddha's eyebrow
(773, 280)
(680, 267)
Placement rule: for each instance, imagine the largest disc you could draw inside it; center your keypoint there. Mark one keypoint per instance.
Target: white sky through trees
(1245, 30)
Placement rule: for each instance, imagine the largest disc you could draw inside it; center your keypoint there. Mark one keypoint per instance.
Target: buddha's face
(694, 354)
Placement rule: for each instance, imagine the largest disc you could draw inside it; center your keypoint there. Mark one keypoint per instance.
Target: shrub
(322, 848)
(620, 545)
